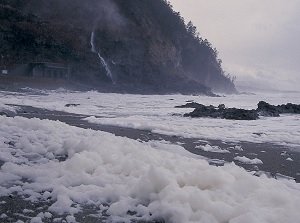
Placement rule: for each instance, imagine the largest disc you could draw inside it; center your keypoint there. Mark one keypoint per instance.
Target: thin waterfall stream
(103, 62)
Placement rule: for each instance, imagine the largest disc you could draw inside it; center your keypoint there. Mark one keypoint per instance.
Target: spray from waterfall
(104, 64)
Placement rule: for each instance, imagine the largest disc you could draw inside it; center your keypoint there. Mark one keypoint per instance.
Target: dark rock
(263, 109)
(221, 112)
(266, 109)
(71, 105)
(289, 108)
(239, 114)
(258, 133)
(221, 106)
(190, 105)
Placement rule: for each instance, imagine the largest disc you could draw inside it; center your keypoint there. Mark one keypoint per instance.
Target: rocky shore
(263, 109)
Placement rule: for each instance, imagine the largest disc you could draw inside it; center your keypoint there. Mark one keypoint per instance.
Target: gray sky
(257, 40)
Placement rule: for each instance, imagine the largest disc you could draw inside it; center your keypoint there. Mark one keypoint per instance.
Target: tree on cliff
(145, 43)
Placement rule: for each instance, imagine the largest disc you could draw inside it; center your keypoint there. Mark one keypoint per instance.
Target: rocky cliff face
(136, 46)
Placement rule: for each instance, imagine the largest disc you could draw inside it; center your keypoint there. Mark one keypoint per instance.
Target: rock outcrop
(222, 112)
(263, 109)
(134, 46)
(266, 109)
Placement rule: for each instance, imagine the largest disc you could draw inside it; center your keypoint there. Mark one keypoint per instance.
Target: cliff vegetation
(134, 46)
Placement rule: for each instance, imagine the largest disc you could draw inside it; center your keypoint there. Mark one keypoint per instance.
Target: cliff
(134, 46)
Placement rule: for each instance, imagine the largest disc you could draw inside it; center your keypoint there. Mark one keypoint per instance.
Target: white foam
(213, 149)
(156, 113)
(143, 178)
(246, 160)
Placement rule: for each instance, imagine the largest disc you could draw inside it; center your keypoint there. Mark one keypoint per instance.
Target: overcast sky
(257, 40)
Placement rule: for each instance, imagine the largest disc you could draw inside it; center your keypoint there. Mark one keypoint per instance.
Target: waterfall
(104, 64)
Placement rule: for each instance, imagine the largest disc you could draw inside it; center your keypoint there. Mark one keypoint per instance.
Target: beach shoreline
(274, 163)
(278, 161)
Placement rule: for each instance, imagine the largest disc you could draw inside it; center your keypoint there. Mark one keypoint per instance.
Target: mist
(257, 40)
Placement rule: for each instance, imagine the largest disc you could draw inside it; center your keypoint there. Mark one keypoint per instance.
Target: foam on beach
(157, 113)
(121, 176)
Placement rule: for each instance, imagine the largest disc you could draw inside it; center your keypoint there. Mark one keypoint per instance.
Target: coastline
(20, 207)
(277, 161)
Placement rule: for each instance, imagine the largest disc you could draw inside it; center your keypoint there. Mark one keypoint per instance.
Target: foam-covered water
(119, 176)
(158, 114)
(150, 180)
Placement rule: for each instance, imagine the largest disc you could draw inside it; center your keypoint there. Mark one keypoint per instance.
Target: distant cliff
(134, 46)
